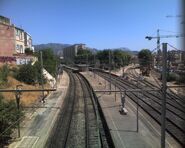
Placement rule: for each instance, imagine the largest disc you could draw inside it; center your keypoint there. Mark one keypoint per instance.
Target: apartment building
(7, 42)
(28, 41)
(70, 52)
(19, 41)
(13, 41)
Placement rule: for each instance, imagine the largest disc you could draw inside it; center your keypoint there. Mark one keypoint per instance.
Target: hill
(56, 47)
(132, 52)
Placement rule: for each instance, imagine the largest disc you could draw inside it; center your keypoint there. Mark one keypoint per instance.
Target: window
(17, 47)
(17, 32)
(21, 35)
(21, 49)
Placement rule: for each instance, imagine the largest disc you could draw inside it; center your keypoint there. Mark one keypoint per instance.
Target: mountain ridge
(58, 48)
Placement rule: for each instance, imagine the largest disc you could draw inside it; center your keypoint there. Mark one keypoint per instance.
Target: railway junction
(124, 127)
(84, 113)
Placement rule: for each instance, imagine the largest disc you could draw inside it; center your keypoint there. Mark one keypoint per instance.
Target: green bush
(171, 77)
(37, 66)
(14, 71)
(8, 118)
(4, 71)
(27, 74)
(49, 60)
(28, 51)
(30, 74)
(181, 79)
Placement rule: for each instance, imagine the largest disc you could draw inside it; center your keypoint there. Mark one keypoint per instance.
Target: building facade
(70, 52)
(28, 41)
(19, 41)
(7, 40)
(13, 41)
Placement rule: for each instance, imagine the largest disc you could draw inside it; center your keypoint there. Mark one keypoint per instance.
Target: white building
(28, 41)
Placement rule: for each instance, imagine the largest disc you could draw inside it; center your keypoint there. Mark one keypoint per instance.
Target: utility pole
(137, 109)
(17, 97)
(113, 63)
(140, 78)
(115, 92)
(18, 92)
(158, 48)
(56, 74)
(87, 63)
(87, 59)
(110, 70)
(164, 87)
(158, 40)
(42, 82)
(94, 65)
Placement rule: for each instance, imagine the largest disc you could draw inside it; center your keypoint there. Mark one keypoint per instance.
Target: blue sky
(98, 23)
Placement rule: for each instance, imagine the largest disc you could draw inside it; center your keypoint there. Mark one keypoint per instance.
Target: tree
(30, 74)
(28, 51)
(83, 56)
(121, 58)
(49, 60)
(145, 57)
(8, 118)
(37, 66)
(103, 56)
(4, 71)
(84, 52)
(118, 57)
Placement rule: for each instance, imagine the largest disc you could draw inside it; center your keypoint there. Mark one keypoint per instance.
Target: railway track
(150, 102)
(79, 123)
(146, 83)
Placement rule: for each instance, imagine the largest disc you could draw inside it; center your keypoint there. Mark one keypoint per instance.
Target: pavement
(37, 125)
(123, 128)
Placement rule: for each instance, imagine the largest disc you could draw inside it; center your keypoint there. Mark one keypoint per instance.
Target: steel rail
(180, 135)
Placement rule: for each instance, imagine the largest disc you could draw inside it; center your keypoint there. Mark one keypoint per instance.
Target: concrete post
(41, 62)
(110, 71)
(164, 87)
(17, 97)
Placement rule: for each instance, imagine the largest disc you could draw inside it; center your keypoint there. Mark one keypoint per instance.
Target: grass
(27, 98)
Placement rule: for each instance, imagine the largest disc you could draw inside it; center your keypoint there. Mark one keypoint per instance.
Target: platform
(123, 128)
(38, 123)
